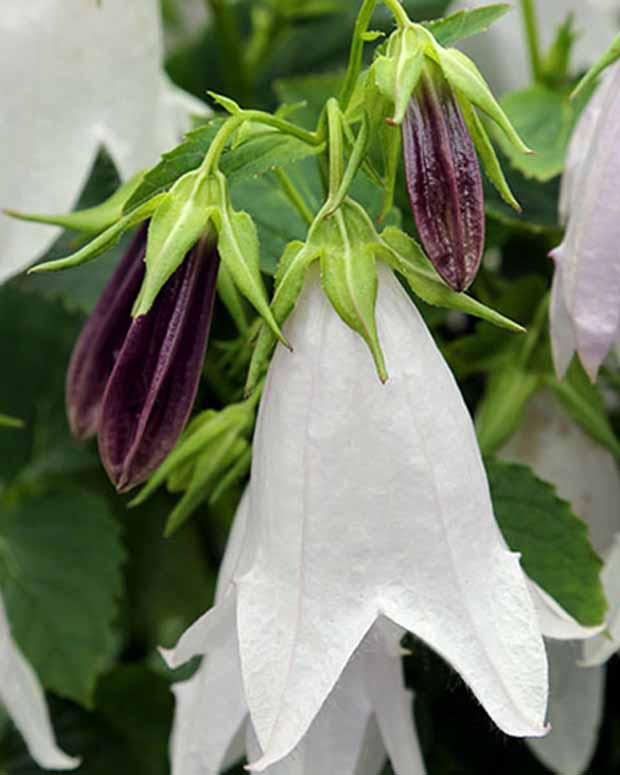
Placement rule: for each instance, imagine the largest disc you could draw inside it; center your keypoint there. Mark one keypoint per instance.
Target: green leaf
(60, 575)
(178, 223)
(464, 24)
(553, 543)
(545, 120)
(406, 257)
(260, 153)
(503, 404)
(583, 402)
(539, 202)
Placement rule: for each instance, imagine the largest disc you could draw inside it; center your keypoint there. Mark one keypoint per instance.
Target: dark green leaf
(553, 543)
(60, 560)
(464, 24)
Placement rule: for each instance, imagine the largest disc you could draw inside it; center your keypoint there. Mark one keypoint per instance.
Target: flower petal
(575, 712)
(373, 500)
(598, 650)
(90, 74)
(151, 390)
(554, 621)
(23, 697)
(101, 340)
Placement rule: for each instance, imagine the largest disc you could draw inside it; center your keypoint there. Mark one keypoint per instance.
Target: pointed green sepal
(177, 224)
(105, 240)
(611, 55)
(289, 282)
(405, 256)
(486, 152)
(230, 106)
(239, 251)
(465, 77)
(92, 220)
(398, 71)
(232, 299)
(349, 275)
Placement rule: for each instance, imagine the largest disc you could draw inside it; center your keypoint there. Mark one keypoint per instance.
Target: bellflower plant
(22, 696)
(94, 79)
(585, 314)
(366, 718)
(587, 476)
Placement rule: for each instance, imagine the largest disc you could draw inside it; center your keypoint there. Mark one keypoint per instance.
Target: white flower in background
(367, 716)
(586, 475)
(77, 75)
(370, 502)
(502, 54)
(22, 696)
(585, 298)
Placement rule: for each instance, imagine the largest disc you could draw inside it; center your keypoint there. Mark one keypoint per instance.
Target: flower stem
(530, 20)
(294, 195)
(357, 44)
(336, 149)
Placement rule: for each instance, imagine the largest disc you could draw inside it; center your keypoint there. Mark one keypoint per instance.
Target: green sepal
(349, 274)
(611, 55)
(177, 224)
(404, 255)
(289, 282)
(556, 63)
(503, 404)
(239, 251)
(229, 105)
(92, 220)
(105, 240)
(465, 77)
(487, 154)
(197, 438)
(583, 402)
(466, 23)
(232, 299)
(398, 71)
(223, 453)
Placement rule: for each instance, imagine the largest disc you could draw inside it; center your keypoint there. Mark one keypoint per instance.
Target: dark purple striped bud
(152, 388)
(101, 340)
(443, 179)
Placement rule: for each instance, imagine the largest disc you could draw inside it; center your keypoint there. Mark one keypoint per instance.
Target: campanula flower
(585, 299)
(586, 475)
(90, 75)
(23, 698)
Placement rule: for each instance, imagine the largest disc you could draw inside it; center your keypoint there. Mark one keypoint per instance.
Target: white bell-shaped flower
(586, 475)
(367, 716)
(585, 298)
(22, 696)
(77, 76)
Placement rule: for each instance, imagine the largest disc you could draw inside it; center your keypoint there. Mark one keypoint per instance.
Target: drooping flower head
(585, 299)
(133, 381)
(443, 180)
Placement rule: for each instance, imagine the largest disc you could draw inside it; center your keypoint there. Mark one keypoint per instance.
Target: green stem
(233, 123)
(336, 162)
(294, 196)
(530, 20)
(357, 44)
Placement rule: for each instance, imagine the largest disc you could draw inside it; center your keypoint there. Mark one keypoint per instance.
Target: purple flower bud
(150, 393)
(443, 179)
(101, 339)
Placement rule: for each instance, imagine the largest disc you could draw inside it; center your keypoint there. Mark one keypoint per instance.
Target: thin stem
(228, 128)
(357, 44)
(336, 162)
(294, 195)
(530, 20)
